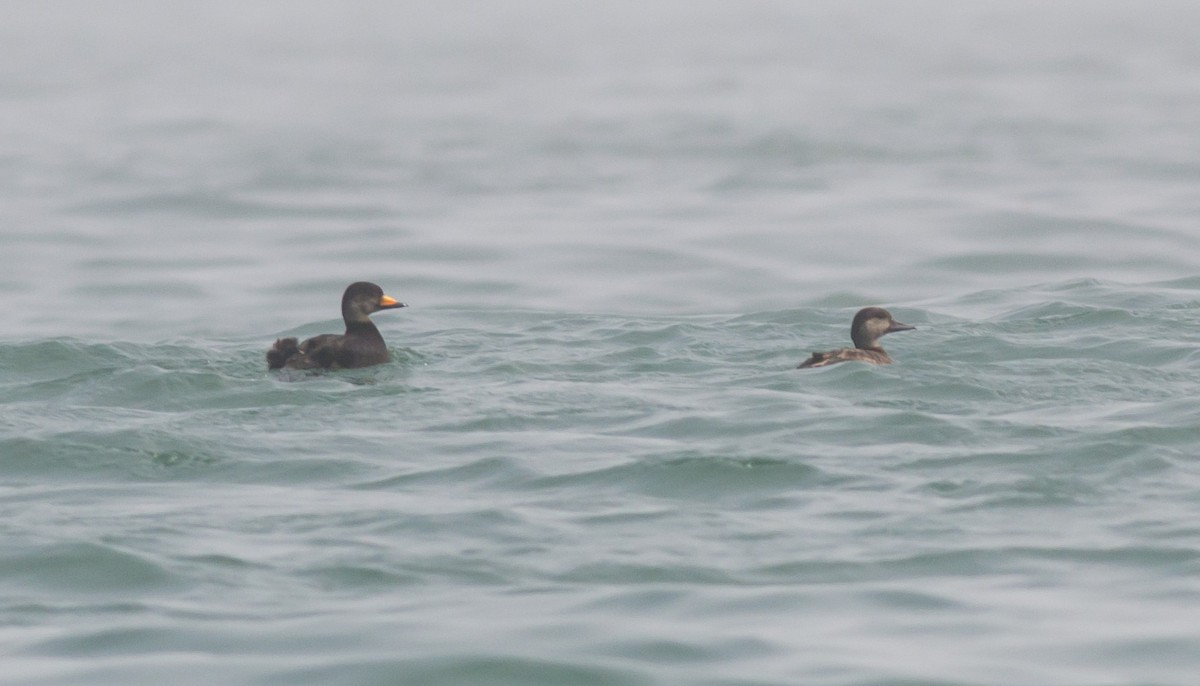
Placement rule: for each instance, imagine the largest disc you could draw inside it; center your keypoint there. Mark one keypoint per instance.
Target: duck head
(363, 298)
(870, 324)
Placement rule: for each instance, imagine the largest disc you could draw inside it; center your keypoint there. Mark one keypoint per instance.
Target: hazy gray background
(667, 157)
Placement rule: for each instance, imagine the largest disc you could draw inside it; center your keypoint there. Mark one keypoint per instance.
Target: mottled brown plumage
(869, 325)
(361, 345)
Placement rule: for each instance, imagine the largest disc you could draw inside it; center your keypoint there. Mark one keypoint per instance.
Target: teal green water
(591, 459)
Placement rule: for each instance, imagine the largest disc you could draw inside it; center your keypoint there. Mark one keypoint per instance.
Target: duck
(361, 346)
(870, 323)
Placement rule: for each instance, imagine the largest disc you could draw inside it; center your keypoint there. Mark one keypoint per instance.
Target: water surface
(619, 229)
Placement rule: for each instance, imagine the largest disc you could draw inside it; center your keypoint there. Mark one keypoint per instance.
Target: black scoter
(360, 346)
(869, 324)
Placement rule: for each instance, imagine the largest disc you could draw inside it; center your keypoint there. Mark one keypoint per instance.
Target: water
(619, 228)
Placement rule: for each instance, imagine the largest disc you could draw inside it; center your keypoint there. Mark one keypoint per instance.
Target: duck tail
(279, 353)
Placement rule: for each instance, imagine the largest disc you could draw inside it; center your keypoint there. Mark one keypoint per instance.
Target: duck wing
(872, 356)
(819, 360)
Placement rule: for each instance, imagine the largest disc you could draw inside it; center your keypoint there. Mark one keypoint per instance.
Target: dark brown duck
(361, 345)
(869, 325)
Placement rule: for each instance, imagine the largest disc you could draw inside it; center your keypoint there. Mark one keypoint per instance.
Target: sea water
(619, 227)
